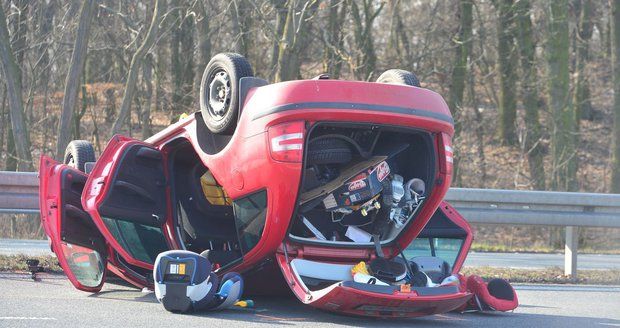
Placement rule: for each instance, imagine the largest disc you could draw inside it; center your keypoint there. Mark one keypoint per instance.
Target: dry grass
(18, 263)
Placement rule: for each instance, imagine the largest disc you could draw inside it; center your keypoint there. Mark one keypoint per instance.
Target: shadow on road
(288, 311)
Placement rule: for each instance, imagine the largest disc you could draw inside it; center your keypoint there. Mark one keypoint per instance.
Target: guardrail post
(570, 251)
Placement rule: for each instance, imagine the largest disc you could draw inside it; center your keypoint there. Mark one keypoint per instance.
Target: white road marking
(27, 318)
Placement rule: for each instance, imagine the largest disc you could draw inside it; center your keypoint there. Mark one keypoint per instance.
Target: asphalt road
(54, 303)
(503, 260)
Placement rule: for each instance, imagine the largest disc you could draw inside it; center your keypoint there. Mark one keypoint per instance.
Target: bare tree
(563, 136)
(581, 95)
(72, 83)
(366, 58)
(615, 18)
(293, 37)
(134, 69)
(460, 71)
(507, 72)
(12, 74)
(529, 86)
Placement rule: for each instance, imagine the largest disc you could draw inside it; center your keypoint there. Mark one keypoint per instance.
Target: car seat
(497, 294)
(184, 282)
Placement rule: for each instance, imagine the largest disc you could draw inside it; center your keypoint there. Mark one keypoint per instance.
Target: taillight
(446, 154)
(286, 141)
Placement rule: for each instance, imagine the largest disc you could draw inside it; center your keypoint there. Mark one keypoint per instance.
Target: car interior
(362, 182)
(205, 216)
(434, 252)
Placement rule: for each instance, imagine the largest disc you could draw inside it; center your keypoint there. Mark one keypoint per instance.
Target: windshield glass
(85, 264)
(143, 242)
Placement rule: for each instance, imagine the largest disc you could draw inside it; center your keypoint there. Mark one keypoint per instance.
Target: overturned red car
(340, 184)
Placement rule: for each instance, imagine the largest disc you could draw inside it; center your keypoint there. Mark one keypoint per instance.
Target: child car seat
(497, 294)
(184, 282)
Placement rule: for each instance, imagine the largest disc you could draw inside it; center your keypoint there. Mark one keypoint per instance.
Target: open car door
(327, 283)
(75, 239)
(127, 195)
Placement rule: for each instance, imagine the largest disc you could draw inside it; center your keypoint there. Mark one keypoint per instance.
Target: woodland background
(534, 86)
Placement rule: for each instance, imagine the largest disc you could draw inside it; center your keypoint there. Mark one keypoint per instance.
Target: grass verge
(18, 263)
(554, 275)
(499, 248)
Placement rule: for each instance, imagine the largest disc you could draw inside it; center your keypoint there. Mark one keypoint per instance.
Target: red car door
(75, 239)
(128, 196)
(322, 277)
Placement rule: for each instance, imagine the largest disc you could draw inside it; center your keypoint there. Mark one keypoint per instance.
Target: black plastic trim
(356, 106)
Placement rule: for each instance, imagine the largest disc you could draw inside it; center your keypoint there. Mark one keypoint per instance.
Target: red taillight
(446, 154)
(286, 141)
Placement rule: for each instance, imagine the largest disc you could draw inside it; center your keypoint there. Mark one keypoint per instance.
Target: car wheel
(219, 91)
(399, 76)
(328, 151)
(78, 153)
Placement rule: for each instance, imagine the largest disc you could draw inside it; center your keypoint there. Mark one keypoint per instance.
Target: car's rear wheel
(78, 153)
(399, 76)
(219, 91)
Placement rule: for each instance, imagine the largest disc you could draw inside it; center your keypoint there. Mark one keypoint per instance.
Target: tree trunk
(203, 33)
(459, 73)
(366, 58)
(293, 39)
(182, 68)
(333, 39)
(507, 72)
(529, 87)
(134, 69)
(581, 101)
(463, 48)
(162, 62)
(145, 115)
(12, 75)
(563, 136)
(281, 15)
(73, 80)
(615, 63)
(241, 21)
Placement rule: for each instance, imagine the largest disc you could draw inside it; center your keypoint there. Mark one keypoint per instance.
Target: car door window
(86, 264)
(250, 215)
(141, 241)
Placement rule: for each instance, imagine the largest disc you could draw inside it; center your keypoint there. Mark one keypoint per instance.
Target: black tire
(328, 151)
(78, 153)
(399, 76)
(219, 91)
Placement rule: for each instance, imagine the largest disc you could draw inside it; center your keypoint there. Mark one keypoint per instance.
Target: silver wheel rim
(219, 95)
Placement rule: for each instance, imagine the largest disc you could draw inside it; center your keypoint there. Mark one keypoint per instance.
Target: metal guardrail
(549, 208)
(19, 194)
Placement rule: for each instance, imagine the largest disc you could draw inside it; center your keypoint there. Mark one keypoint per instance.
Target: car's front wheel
(219, 91)
(78, 153)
